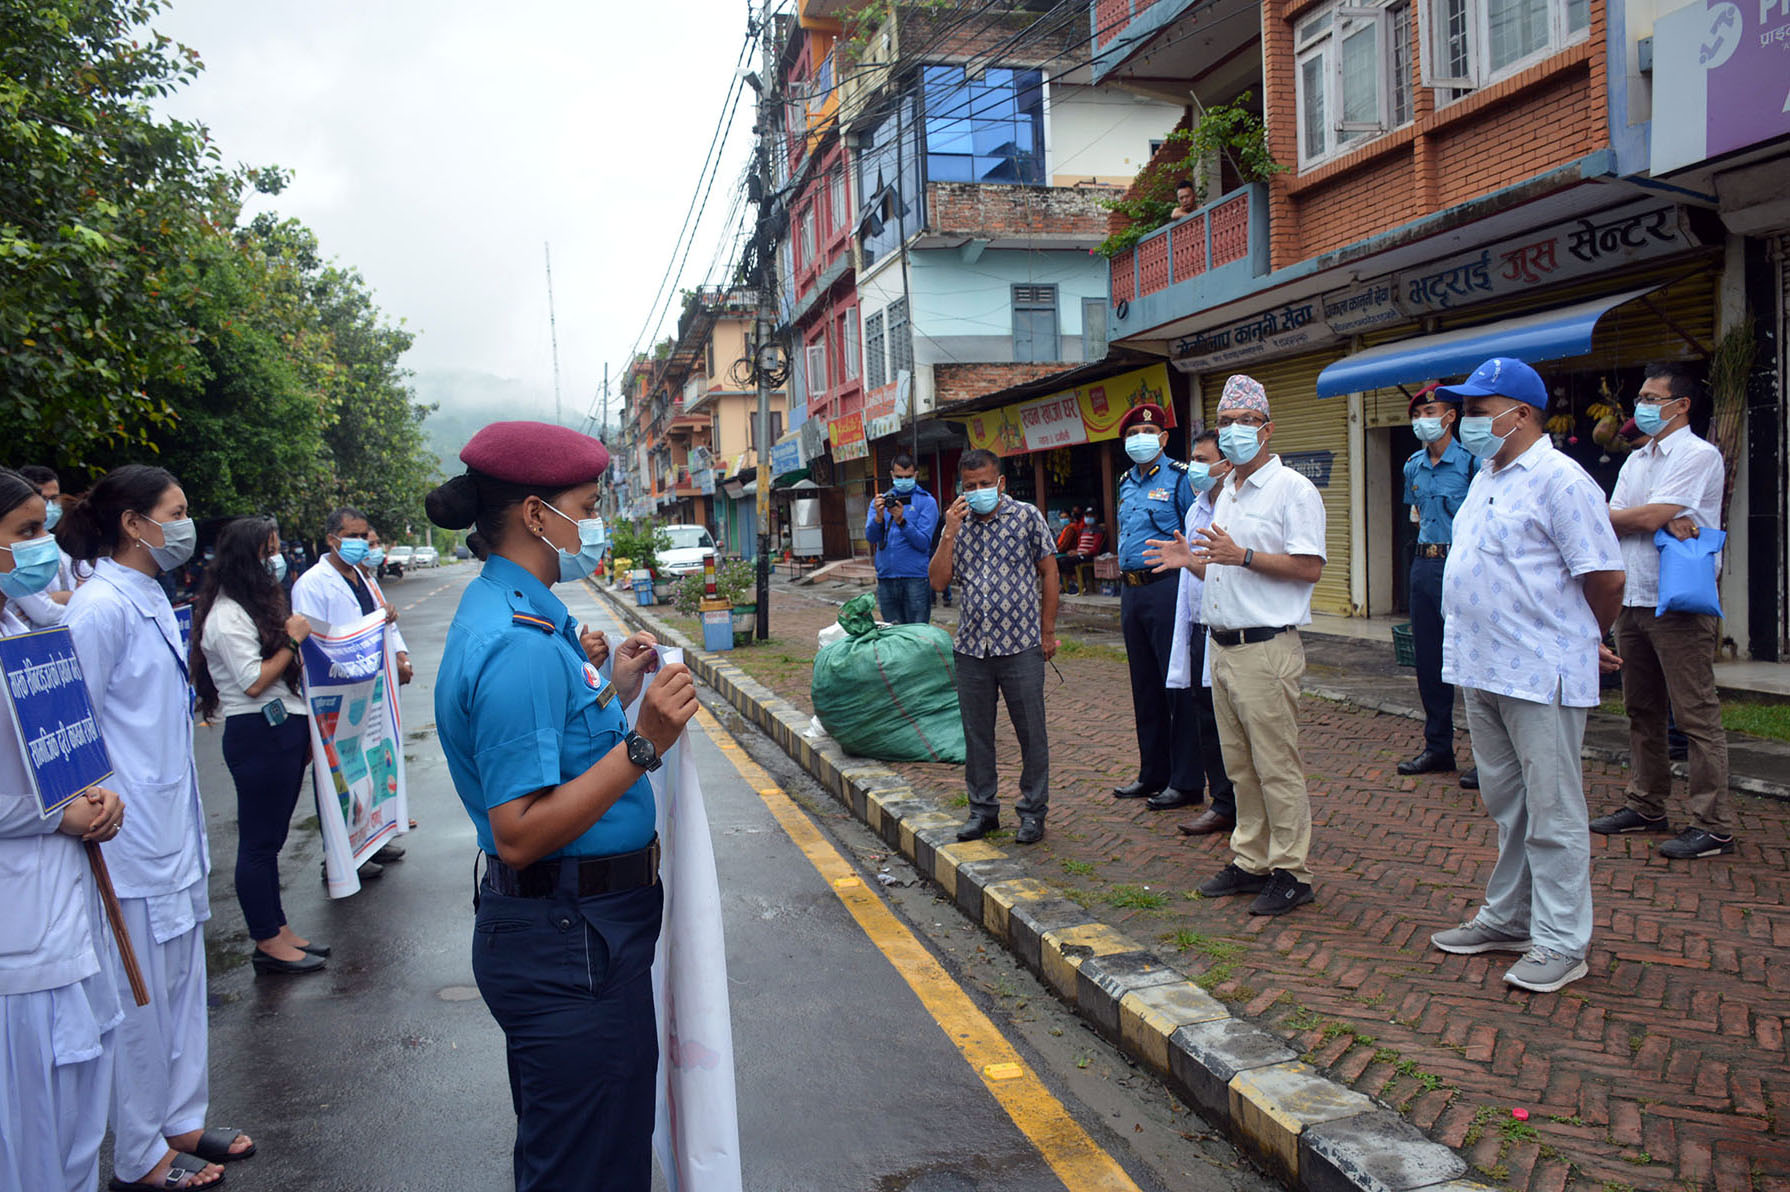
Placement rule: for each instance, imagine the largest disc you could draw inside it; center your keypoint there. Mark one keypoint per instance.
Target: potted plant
(640, 543)
(736, 582)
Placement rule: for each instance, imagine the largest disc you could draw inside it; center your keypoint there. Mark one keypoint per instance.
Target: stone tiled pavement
(1665, 1068)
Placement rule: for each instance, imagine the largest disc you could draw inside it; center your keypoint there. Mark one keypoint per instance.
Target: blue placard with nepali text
(58, 732)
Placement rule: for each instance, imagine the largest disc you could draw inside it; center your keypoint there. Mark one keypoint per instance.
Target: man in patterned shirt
(1001, 555)
(1533, 582)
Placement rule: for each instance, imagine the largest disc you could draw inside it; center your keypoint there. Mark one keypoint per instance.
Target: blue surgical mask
(1142, 448)
(1427, 429)
(1200, 476)
(277, 565)
(904, 484)
(34, 565)
(1239, 443)
(1477, 435)
(52, 514)
(983, 500)
(1648, 419)
(375, 556)
(590, 549)
(179, 537)
(351, 550)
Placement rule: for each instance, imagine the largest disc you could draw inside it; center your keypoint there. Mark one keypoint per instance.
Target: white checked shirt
(1275, 512)
(1514, 617)
(1681, 470)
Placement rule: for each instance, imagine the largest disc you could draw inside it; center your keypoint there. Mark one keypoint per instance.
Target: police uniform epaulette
(534, 622)
(1177, 465)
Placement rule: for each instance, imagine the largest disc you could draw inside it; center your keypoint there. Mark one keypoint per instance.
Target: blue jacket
(906, 549)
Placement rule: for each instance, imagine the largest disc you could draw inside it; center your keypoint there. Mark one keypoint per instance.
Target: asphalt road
(386, 1071)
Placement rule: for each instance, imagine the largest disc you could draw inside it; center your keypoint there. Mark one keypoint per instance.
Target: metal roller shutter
(1305, 424)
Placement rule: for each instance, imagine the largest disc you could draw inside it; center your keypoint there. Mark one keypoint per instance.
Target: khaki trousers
(1672, 658)
(1255, 694)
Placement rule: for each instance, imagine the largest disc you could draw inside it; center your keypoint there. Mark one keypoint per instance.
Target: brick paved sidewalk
(1665, 1068)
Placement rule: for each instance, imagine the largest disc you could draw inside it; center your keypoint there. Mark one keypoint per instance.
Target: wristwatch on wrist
(1249, 557)
(642, 753)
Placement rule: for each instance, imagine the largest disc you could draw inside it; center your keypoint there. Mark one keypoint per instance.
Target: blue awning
(1551, 335)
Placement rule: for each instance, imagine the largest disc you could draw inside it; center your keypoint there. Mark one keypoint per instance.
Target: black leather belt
(1143, 577)
(1432, 550)
(596, 875)
(1237, 637)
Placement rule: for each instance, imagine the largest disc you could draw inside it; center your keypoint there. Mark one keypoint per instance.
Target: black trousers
(1426, 638)
(267, 763)
(1167, 740)
(569, 980)
(1205, 721)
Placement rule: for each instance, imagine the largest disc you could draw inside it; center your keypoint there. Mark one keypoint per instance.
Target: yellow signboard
(1087, 414)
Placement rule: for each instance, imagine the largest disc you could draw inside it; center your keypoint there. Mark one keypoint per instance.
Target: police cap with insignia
(1430, 393)
(1148, 415)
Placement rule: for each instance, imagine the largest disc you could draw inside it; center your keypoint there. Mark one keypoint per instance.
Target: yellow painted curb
(1147, 1017)
(947, 857)
(1062, 952)
(999, 898)
(913, 823)
(1272, 1106)
(876, 817)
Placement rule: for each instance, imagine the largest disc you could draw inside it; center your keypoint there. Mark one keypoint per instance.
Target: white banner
(357, 749)
(696, 1132)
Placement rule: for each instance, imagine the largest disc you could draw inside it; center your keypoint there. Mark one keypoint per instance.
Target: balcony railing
(1209, 257)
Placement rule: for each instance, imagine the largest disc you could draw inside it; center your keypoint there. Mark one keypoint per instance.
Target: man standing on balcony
(900, 527)
(1154, 498)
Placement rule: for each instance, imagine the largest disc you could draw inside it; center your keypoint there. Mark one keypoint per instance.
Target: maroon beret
(536, 453)
(1428, 394)
(1149, 414)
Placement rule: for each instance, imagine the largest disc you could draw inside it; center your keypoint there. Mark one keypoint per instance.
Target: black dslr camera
(892, 501)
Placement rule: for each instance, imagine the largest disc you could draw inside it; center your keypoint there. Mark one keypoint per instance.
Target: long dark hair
(475, 499)
(239, 572)
(90, 529)
(15, 490)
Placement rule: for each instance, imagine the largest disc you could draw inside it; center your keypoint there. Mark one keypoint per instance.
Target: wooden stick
(115, 916)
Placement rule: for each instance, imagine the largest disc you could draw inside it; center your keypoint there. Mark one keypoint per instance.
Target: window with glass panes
(984, 129)
(848, 345)
(1474, 43)
(1353, 76)
(901, 339)
(875, 367)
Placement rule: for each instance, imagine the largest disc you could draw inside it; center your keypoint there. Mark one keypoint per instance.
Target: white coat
(1187, 606)
(324, 594)
(39, 609)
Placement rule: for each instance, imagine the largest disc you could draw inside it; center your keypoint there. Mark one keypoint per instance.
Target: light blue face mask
(52, 514)
(1239, 443)
(983, 500)
(1648, 419)
(351, 550)
(1477, 435)
(34, 565)
(375, 556)
(277, 565)
(1200, 476)
(1427, 429)
(574, 567)
(1143, 447)
(904, 484)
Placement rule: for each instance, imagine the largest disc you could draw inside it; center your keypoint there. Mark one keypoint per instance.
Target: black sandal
(180, 1171)
(214, 1144)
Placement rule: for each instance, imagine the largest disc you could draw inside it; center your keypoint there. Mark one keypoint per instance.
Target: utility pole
(553, 335)
(764, 356)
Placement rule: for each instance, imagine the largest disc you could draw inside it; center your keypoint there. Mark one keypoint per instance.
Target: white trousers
(1531, 782)
(161, 1080)
(52, 1106)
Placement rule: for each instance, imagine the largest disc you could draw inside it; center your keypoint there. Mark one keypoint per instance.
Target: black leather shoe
(1171, 798)
(1031, 831)
(1135, 790)
(1470, 779)
(1430, 761)
(316, 949)
(274, 966)
(978, 826)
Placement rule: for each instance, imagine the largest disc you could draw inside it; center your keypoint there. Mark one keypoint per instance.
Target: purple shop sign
(1721, 80)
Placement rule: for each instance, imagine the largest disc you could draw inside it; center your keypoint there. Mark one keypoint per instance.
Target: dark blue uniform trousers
(1426, 638)
(569, 980)
(1167, 737)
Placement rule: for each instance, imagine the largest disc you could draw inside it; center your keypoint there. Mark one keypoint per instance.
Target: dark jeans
(569, 980)
(905, 600)
(1205, 721)
(1018, 679)
(1167, 743)
(1426, 639)
(267, 763)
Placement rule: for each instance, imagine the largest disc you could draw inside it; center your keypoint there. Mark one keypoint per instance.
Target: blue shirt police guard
(1154, 498)
(1436, 479)
(568, 913)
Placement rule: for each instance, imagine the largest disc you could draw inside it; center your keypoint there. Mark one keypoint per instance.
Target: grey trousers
(1019, 679)
(1531, 782)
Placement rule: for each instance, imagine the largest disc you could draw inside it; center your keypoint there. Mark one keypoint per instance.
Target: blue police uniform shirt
(519, 708)
(1437, 489)
(1153, 502)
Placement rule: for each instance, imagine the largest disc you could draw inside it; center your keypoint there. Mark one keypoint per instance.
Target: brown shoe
(1206, 825)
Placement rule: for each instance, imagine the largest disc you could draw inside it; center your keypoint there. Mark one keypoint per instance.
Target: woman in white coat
(58, 1006)
(133, 524)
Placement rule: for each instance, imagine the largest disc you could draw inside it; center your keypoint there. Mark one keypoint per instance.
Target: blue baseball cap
(1501, 376)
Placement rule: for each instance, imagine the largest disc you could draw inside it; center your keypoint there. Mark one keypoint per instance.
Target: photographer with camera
(900, 527)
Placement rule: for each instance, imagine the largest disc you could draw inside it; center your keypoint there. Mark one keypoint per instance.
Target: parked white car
(400, 556)
(425, 556)
(690, 545)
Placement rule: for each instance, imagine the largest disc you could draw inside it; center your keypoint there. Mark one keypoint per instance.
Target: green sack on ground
(889, 693)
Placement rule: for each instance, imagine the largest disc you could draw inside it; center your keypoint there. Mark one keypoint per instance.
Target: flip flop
(183, 1168)
(214, 1145)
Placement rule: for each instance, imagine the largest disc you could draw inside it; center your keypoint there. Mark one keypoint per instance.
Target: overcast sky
(438, 144)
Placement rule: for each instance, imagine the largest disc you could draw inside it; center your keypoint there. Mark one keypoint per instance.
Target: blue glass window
(988, 129)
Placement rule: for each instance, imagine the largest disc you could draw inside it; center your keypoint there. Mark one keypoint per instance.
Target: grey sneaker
(1543, 971)
(1473, 937)
(1692, 843)
(1625, 820)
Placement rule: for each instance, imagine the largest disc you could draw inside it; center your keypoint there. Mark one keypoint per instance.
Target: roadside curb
(1309, 1131)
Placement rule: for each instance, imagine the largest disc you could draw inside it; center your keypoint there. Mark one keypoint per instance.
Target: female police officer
(542, 757)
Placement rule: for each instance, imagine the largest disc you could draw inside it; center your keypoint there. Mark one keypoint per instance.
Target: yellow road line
(1078, 1161)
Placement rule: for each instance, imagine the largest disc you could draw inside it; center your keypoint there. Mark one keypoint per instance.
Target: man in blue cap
(1533, 582)
(1436, 480)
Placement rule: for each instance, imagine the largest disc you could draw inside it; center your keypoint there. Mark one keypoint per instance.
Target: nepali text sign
(786, 454)
(357, 755)
(1721, 80)
(847, 435)
(1087, 414)
(1272, 332)
(58, 734)
(1363, 308)
(1315, 466)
